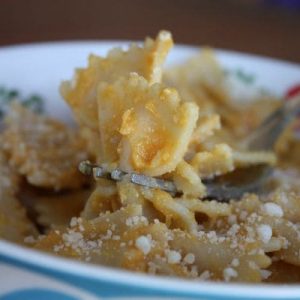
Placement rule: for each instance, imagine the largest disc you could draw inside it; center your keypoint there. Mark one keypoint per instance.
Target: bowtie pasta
(180, 124)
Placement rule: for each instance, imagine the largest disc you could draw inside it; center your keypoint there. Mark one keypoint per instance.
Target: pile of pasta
(179, 124)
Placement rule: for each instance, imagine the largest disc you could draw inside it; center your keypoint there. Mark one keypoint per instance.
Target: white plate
(40, 68)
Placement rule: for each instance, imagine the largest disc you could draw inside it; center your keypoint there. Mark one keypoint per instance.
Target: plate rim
(125, 42)
(46, 261)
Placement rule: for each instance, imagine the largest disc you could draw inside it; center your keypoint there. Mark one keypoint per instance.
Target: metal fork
(227, 187)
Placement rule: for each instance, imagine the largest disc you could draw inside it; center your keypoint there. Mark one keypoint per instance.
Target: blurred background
(266, 27)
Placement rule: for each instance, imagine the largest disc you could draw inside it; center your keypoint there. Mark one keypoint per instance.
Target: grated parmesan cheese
(235, 262)
(264, 232)
(189, 258)
(173, 257)
(265, 274)
(73, 222)
(29, 239)
(273, 209)
(229, 273)
(136, 220)
(144, 243)
(205, 275)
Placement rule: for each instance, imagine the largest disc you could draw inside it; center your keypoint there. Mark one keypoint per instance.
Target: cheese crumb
(173, 257)
(144, 243)
(136, 220)
(229, 273)
(265, 274)
(108, 235)
(253, 265)
(189, 258)
(235, 262)
(29, 239)
(73, 222)
(57, 248)
(273, 209)
(72, 237)
(194, 272)
(233, 230)
(205, 275)
(232, 219)
(264, 232)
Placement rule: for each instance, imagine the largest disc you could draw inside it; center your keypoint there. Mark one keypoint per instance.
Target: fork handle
(292, 105)
(266, 135)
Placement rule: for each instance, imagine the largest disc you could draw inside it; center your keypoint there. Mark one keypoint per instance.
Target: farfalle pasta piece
(270, 227)
(203, 75)
(130, 193)
(82, 237)
(228, 263)
(91, 139)
(216, 162)
(289, 202)
(201, 80)
(279, 236)
(144, 127)
(211, 208)
(188, 181)
(14, 223)
(55, 210)
(206, 127)
(124, 238)
(104, 198)
(201, 140)
(134, 246)
(176, 214)
(290, 233)
(80, 93)
(245, 159)
(44, 150)
(222, 159)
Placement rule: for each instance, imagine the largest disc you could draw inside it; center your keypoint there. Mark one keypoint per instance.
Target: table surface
(246, 25)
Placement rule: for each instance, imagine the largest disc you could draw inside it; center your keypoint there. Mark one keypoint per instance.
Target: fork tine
(89, 169)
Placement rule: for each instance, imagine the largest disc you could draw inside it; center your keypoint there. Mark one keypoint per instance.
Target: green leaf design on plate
(34, 102)
(241, 75)
(245, 77)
